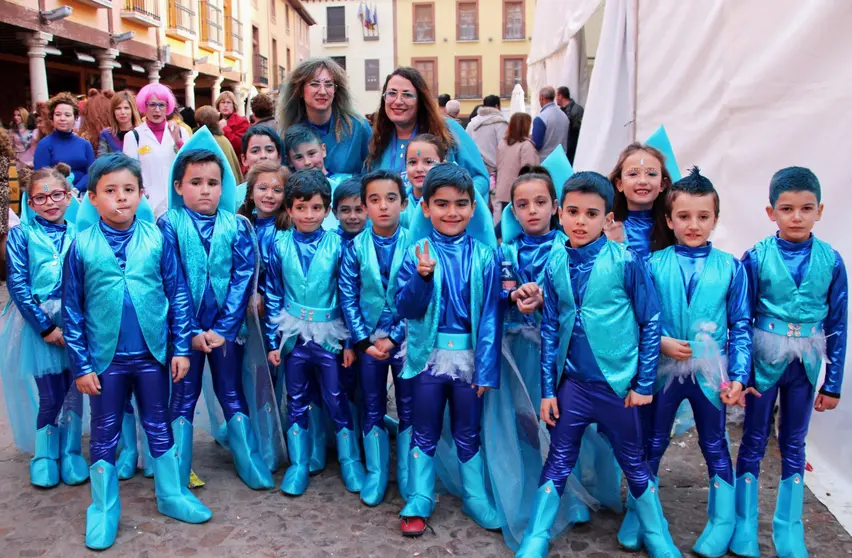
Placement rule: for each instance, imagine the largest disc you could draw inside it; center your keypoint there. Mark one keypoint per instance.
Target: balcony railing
(261, 70)
(211, 24)
(424, 32)
(233, 36)
(146, 12)
(181, 18)
(282, 76)
(335, 34)
(468, 90)
(370, 34)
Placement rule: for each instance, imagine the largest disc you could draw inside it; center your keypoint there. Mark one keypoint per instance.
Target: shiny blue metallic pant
(709, 421)
(149, 380)
(580, 404)
(52, 389)
(796, 404)
(431, 394)
(227, 374)
(307, 362)
(374, 385)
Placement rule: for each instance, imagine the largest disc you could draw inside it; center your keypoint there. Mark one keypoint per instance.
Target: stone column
(105, 60)
(241, 100)
(189, 87)
(216, 88)
(154, 71)
(36, 42)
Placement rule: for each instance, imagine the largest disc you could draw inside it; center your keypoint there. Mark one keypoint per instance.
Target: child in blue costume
(31, 334)
(305, 328)
(118, 269)
(706, 346)
(368, 273)
(260, 143)
(600, 344)
(217, 253)
(424, 152)
(448, 290)
(800, 297)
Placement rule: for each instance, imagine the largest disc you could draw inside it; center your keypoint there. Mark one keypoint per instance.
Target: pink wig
(158, 90)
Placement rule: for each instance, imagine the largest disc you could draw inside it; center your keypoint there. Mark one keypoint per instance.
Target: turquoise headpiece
(87, 215)
(203, 140)
(27, 213)
(560, 169)
(660, 140)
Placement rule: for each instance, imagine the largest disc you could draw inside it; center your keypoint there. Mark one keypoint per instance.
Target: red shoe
(412, 526)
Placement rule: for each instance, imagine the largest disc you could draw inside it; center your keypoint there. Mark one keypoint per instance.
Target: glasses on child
(407, 96)
(57, 196)
(155, 105)
(327, 85)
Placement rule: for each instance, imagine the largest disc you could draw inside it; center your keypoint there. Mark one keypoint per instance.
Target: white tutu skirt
(328, 334)
(774, 348)
(25, 351)
(459, 365)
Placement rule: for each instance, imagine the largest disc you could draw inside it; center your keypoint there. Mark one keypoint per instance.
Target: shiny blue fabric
(225, 369)
(149, 381)
(638, 227)
(431, 395)
(580, 404)
(309, 362)
(52, 390)
(347, 154)
(374, 380)
(531, 254)
(411, 209)
(74, 303)
(264, 229)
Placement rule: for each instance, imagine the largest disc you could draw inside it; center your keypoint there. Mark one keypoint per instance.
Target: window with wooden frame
(428, 68)
(467, 21)
(513, 19)
(513, 70)
(468, 77)
(424, 23)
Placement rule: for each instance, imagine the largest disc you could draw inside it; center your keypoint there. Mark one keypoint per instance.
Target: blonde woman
(233, 125)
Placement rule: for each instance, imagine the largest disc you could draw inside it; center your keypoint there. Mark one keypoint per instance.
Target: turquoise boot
(103, 515)
(44, 466)
(266, 445)
(147, 460)
(247, 459)
(788, 533)
(298, 473)
(316, 426)
(630, 533)
(721, 519)
(403, 446)
(182, 432)
(129, 455)
(173, 498)
(377, 456)
(72, 464)
(578, 512)
(475, 501)
(542, 516)
(655, 529)
(349, 456)
(421, 483)
(744, 542)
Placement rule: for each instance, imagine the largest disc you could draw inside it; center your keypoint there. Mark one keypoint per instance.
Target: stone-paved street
(328, 521)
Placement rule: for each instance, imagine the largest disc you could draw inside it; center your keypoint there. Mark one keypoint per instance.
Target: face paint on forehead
(46, 188)
(642, 162)
(418, 153)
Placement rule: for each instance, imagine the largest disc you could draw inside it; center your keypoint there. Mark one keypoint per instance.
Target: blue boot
(298, 473)
(129, 455)
(721, 519)
(247, 460)
(182, 432)
(421, 483)
(655, 529)
(630, 533)
(173, 498)
(788, 533)
(377, 456)
(578, 511)
(349, 456)
(316, 427)
(266, 445)
(72, 464)
(542, 516)
(44, 466)
(403, 446)
(744, 542)
(103, 515)
(475, 502)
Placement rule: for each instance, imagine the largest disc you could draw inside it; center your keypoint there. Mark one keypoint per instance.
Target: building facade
(467, 48)
(358, 35)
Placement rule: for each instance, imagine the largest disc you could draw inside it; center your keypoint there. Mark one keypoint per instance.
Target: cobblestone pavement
(328, 521)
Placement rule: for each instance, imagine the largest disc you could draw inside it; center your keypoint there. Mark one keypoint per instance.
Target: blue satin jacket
(637, 229)
(533, 254)
(347, 155)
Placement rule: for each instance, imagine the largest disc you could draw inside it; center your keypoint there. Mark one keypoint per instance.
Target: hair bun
(533, 169)
(63, 169)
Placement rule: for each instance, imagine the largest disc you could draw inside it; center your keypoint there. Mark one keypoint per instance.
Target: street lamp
(56, 14)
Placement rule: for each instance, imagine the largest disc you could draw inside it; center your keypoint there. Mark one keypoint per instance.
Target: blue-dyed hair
(298, 134)
(794, 179)
(305, 184)
(110, 163)
(194, 157)
(263, 130)
(349, 188)
(589, 182)
(693, 184)
(448, 174)
(381, 174)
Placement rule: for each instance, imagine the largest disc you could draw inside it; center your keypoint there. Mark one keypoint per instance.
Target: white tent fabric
(743, 91)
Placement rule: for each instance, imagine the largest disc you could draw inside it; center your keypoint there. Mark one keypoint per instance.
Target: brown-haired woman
(515, 150)
(23, 138)
(123, 117)
(62, 146)
(96, 120)
(207, 116)
(232, 124)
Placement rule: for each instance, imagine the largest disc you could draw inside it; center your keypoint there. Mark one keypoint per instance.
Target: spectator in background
(23, 138)
(453, 109)
(207, 116)
(574, 112)
(62, 146)
(43, 124)
(263, 109)
(177, 118)
(487, 128)
(443, 99)
(515, 150)
(232, 124)
(123, 117)
(187, 114)
(97, 119)
(550, 127)
(7, 159)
